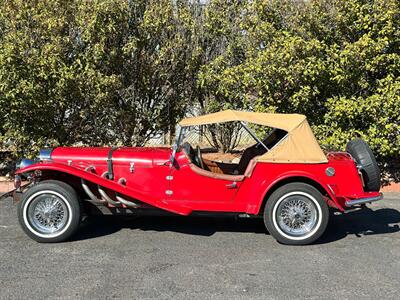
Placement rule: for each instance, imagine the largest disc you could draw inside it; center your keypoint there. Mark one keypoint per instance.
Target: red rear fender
(300, 177)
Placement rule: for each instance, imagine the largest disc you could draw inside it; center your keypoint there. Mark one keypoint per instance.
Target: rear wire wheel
(296, 214)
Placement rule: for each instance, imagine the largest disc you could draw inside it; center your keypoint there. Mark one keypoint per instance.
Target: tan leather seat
(240, 177)
(219, 167)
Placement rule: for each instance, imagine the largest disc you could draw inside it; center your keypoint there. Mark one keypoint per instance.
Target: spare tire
(364, 158)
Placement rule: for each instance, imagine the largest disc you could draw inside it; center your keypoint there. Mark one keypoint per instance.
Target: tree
(92, 72)
(51, 75)
(335, 61)
(153, 70)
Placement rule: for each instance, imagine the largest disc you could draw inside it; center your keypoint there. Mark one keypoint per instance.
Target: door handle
(233, 185)
(166, 163)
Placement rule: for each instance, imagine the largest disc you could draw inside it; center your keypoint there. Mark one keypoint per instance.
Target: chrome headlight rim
(23, 163)
(45, 154)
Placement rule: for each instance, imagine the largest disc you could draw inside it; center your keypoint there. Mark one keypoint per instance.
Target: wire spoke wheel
(50, 211)
(297, 215)
(47, 214)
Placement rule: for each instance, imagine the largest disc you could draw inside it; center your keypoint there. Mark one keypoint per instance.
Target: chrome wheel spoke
(47, 214)
(297, 215)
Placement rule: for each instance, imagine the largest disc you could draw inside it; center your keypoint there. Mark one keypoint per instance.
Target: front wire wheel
(50, 212)
(296, 214)
(47, 213)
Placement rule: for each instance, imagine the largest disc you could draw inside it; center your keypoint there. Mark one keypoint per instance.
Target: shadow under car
(363, 222)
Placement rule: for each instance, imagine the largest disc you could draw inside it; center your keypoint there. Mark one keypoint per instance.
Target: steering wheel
(188, 149)
(198, 157)
(194, 156)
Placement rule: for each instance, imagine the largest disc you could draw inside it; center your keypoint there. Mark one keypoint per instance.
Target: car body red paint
(151, 179)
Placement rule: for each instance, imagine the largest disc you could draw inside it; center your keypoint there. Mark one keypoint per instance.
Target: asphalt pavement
(204, 258)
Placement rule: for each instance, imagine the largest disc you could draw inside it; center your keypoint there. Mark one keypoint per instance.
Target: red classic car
(284, 177)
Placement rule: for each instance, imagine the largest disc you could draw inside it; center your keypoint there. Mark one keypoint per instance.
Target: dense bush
(336, 61)
(91, 72)
(101, 72)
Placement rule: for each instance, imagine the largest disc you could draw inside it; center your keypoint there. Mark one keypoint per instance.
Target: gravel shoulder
(221, 258)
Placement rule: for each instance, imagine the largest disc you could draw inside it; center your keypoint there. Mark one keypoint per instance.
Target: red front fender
(112, 185)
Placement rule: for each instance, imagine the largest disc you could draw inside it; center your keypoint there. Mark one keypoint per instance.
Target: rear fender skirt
(307, 176)
(112, 185)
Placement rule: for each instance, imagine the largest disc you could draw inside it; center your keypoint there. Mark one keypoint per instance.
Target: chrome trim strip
(350, 203)
(360, 174)
(331, 189)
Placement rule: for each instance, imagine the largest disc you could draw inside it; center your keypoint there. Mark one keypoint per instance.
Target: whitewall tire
(296, 214)
(50, 212)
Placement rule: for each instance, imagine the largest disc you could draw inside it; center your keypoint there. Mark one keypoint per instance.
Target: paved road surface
(203, 258)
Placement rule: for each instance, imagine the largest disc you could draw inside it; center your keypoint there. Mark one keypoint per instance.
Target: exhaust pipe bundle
(105, 198)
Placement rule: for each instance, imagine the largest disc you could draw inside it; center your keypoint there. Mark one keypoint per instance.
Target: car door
(199, 191)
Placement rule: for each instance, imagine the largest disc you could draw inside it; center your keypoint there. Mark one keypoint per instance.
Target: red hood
(94, 156)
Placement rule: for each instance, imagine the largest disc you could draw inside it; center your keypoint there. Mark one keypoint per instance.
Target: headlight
(45, 154)
(24, 163)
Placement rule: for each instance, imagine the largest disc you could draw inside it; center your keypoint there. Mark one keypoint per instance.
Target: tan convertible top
(299, 146)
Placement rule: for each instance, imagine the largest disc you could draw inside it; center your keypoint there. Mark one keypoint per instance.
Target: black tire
(364, 157)
(294, 192)
(64, 197)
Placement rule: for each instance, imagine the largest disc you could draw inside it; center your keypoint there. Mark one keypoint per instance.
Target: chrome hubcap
(297, 215)
(47, 214)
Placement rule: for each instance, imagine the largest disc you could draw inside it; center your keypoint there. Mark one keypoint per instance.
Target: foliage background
(119, 71)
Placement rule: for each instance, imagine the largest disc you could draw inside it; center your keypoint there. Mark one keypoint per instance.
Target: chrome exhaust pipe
(90, 194)
(122, 181)
(104, 194)
(127, 203)
(90, 169)
(107, 198)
